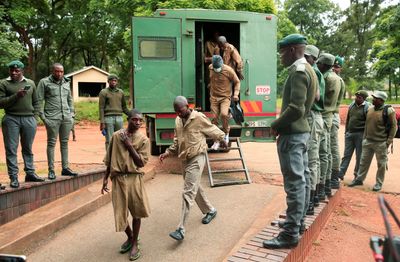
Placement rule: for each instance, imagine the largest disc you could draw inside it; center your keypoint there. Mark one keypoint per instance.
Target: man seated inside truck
(221, 77)
(231, 56)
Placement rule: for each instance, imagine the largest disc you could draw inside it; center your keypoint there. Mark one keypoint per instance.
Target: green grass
(87, 111)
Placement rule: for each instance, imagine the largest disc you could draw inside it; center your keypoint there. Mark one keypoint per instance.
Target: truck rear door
(157, 63)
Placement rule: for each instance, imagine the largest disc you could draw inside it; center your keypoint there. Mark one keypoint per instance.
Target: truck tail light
(167, 135)
(262, 132)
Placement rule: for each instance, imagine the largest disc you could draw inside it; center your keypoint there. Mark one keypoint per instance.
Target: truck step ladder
(221, 172)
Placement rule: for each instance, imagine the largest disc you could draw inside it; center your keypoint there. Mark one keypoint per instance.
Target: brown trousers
(192, 190)
(220, 109)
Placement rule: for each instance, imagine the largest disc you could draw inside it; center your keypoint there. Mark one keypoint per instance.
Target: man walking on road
(57, 115)
(380, 128)
(293, 134)
(221, 78)
(191, 129)
(19, 100)
(354, 132)
(111, 106)
(127, 153)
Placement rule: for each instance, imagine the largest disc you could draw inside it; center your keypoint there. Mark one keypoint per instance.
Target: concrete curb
(253, 250)
(27, 231)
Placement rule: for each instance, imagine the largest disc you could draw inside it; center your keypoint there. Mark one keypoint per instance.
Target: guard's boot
(316, 198)
(328, 191)
(310, 210)
(335, 184)
(321, 192)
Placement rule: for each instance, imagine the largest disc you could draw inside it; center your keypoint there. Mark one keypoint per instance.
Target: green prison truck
(168, 59)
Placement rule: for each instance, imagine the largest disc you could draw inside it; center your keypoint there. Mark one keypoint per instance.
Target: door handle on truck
(246, 78)
(136, 68)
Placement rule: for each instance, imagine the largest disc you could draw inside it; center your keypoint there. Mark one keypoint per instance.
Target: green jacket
(375, 129)
(341, 93)
(112, 103)
(332, 91)
(24, 106)
(57, 98)
(319, 105)
(298, 96)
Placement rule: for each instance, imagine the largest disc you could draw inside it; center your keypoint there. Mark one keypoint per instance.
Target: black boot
(316, 198)
(321, 193)
(328, 191)
(335, 184)
(310, 210)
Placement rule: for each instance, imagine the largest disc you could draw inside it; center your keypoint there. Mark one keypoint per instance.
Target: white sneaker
(226, 138)
(215, 146)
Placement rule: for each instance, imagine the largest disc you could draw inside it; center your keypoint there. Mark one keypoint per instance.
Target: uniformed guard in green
(19, 100)
(317, 128)
(111, 106)
(335, 164)
(332, 90)
(293, 133)
(57, 113)
(354, 132)
(377, 139)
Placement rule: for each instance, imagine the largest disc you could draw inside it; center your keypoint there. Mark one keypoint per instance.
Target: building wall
(91, 75)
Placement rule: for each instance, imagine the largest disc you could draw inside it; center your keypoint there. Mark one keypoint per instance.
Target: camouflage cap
(311, 50)
(16, 64)
(362, 93)
(380, 94)
(339, 61)
(326, 59)
(111, 77)
(293, 39)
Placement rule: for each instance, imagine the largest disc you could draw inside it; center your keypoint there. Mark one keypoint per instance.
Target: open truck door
(157, 77)
(157, 63)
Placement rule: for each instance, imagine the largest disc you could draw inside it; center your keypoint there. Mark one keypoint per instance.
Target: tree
(386, 48)
(315, 19)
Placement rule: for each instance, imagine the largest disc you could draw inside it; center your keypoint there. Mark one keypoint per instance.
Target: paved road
(93, 238)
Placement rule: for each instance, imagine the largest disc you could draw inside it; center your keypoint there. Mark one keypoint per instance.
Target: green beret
(380, 94)
(339, 61)
(326, 59)
(111, 77)
(15, 64)
(362, 93)
(311, 50)
(293, 39)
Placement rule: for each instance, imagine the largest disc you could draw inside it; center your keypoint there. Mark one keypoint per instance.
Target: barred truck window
(163, 48)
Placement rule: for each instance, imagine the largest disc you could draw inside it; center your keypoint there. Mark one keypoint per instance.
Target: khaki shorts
(128, 195)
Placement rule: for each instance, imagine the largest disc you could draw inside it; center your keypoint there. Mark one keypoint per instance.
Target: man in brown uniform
(191, 129)
(127, 153)
(221, 77)
(231, 56)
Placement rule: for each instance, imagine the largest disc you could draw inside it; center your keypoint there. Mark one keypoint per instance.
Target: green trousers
(369, 148)
(317, 131)
(325, 149)
(55, 128)
(113, 123)
(334, 142)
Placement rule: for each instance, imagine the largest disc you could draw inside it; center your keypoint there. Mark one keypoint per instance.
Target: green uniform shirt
(341, 93)
(112, 103)
(57, 98)
(24, 106)
(298, 96)
(375, 126)
(319, 105)
(332, 91)
(356, 117)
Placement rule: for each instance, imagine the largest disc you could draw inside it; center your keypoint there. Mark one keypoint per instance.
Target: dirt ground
(345, 237)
